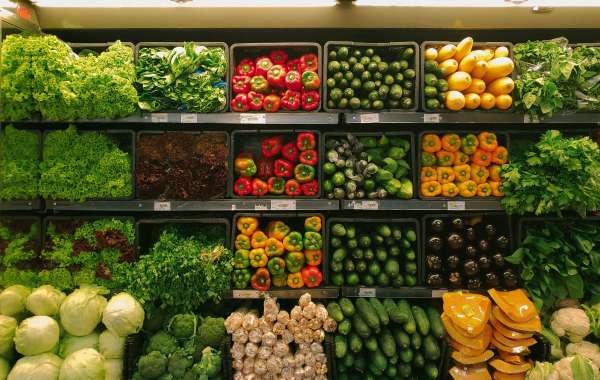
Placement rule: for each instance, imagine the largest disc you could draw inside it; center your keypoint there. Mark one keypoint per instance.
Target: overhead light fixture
(183, 3)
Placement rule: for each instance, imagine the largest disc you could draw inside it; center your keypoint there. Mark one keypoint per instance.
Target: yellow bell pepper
(449, 190)
(467, 189)
(496, 188)
(277, 229)
(293, 242)
(462, 172)
(258, 240)
(484, 190)
(312, 223)
(242, 242)
(258, 258)
(274, 247)
(247, 225)
(294, 280)
(445, 175)
(431, 189)
(479, 174)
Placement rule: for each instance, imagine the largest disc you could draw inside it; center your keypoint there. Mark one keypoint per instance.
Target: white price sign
(253, 118)
(367, 292)
(456, 206)
(367, 118)
(283, 204)
(366, 205)
(189, 118)
(431, 118)
(160, 117)
(246, 294)
(162, 206)
(438, 293)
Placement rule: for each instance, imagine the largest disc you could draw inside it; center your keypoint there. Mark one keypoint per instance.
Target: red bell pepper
(260, 84)
(276, 76)
(245, 67)
(271, 103)
(283, 168)
(292, 188)
(266, 167)
(309, 157)
(241, 84)
(291, 100)
(293, 65)
(290, 152)
(306, 141)
(278, 57)
(261, 280)
(310, 100)
(263, 64)
(242, 186)
(293, 80)
(255, 100)
(310, 80)
(310, 188)
(271, 146)
(309, 62)
(240, 103)
(312, 276)
(259, 187)
(276, 185)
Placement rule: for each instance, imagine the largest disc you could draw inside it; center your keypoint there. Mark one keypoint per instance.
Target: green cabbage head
(70, 343)
(111, 345)
(85, 364)
(45, 300)
(8, 326)
(38, 367)
(37, 335)
(13, 299)
(82, 310)
(123, 315)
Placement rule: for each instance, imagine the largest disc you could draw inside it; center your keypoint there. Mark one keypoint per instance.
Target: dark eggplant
(510, 279)
(437, 226)
(474, 283)
(470, 233)
(452, 262)
(470, 251)
(489, 230)
(434, 263)
(483, 246)
(498, 260)
(435, 280)
(491, 280)
(502, 242)
(470, 267)
(434, 244)
(484, 262)
(458, 224)
(455, 241)
(455, 280)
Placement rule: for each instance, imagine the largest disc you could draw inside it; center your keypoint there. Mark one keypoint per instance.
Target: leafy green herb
(554, 175)
(189, 78)
(18, 252)
(19, 164)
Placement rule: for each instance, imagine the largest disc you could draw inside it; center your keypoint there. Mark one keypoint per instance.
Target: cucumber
(404, 370)
(355, 342)
(368, 314)
(335, 311)
(391, 372)
(437, 329)
(410, 325)
(418, 360)
(393, 311)
(415, 340)
(421, 319)
(393, 360)
(380, 310)
(341, 348)
(406, 355)
(374, 370)
(348, 360)
(361, 328)
(387, 343)
(402, 338)
(431, 370)
(360, 363)
(347, 307)
(371, 344)
(379, 360)
(344, 327)
(431, 349)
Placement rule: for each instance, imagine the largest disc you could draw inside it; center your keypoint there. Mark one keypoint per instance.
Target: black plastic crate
(249, 141)
(411, 157)
(476, 46)
(253, 50)
(228, 185)
(97, 47)
(503, 140)
(382, 48)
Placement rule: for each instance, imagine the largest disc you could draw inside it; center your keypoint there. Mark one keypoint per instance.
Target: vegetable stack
(371, 78)
(458, 77)
(275, 255)
(18, 249)
(475, 328)
(464, 166)
(383, 337)
(275, 82)
(373, 254)
(367, 167)
(284, 166)
(19, 164)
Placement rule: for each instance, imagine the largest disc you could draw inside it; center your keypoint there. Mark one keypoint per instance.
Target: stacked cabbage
(47, 335)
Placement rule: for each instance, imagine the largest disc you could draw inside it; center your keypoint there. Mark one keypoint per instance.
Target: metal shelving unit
(31, 205)
(423, 205)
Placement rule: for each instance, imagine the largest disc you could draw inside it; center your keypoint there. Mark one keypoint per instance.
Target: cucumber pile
(436, 86)
(373, 254)
(386, 339)
(371, 79)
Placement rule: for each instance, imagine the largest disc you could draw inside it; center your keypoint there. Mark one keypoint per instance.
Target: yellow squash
(476, 372)
(501, 86)
(511, 334)
(498, 68)
(479, 342)
(507, 376)
(533, 325)
(469, 312)
(446, 52)
(513, 342)
(502, 366)
(462, 358)
(463, 48)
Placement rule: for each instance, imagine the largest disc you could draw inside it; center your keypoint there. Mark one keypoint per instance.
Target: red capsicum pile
(285, 166)
(269, 253)
(276, 81)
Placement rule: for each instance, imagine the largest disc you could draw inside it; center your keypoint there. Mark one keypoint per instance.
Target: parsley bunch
(19, 164)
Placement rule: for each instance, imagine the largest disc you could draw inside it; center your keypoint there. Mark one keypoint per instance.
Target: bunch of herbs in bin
(367, 168)
(373, 254)
(360, 78)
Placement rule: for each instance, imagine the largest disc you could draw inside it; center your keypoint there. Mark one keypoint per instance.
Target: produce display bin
(97, 47)
(503, 140)
(134, 348)
(125, 140)
(171, 45)
(139, 157)
(384, 49)
(476, 45)
(295, 221)
(503, 224)
(249, 141)
(411, 157)
(239, 51)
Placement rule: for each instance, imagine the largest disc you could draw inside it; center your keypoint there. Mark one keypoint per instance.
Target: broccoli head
(179, 363)
(212, 332)
(162, 342)
(209, 365)
(183, 325)
(153, 365)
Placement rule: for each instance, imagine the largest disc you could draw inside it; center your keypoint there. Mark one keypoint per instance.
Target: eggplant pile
(468, 253)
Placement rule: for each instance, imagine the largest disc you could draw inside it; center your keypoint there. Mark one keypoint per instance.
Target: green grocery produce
(369, 77)
(19, 164)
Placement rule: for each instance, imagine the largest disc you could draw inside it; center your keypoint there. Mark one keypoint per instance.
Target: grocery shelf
(404, 292)
(423, 205)
(30, 205)
(316, 293)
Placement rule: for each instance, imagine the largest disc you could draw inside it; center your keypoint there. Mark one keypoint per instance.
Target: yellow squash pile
(476, 78)
(476, 327)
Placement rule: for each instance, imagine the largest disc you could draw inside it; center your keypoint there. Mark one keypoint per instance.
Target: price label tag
(162, 206)
(160, 117)
(283, 204)
(253, 118)
(431, 118)
(367, 292)
(528, 120)
(438, 293)
(366, 205)
(189, 118)
(261, 206)
(456, 206)
(246, 294)
(366, 118)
